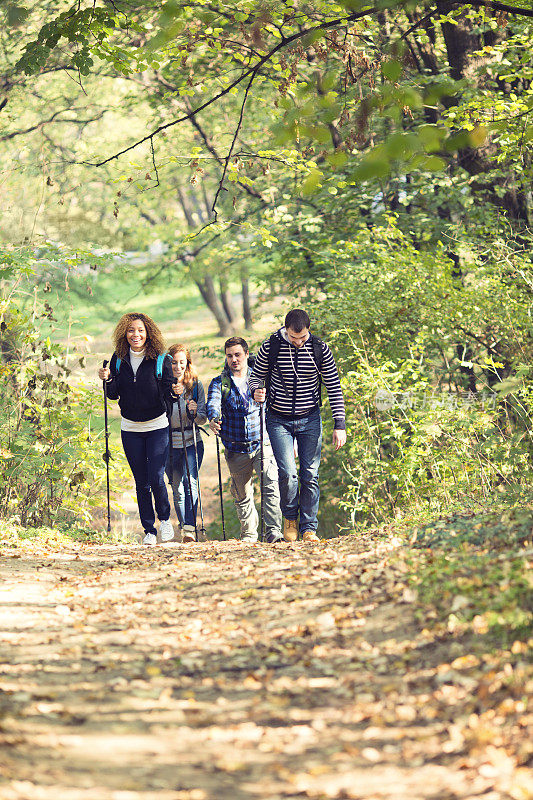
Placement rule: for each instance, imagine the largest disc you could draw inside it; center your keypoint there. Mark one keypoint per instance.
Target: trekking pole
(202, 527)
(262, 461)
(106, 456)
(187, 464)
(217, 437)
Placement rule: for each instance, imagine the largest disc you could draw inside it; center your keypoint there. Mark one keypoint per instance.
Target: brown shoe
(309, 536)
(188, 534)
(290, 529)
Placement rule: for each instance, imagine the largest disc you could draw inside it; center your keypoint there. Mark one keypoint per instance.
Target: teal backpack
(158, 365)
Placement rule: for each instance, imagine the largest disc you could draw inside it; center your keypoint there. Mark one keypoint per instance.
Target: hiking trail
(224, 671)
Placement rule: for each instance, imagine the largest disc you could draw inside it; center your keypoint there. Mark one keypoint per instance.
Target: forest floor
(220, 671)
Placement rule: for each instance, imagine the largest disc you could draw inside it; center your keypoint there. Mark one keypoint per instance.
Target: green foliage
(63, 533)
(51, 467)
(428, 426)
(411, 447)
(377, 167)
(86, 28)
(15, 13)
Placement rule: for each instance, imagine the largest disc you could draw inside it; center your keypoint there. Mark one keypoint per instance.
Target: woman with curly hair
(188, 410)
(142, 383)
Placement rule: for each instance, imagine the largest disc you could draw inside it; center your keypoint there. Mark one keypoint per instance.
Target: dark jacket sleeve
(112, 384)
(167, 380)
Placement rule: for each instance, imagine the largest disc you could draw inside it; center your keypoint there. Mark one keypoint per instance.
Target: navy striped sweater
(294, 385)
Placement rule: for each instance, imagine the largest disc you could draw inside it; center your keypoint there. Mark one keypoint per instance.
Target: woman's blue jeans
(147, 455)
(177, 475)
(307, 433)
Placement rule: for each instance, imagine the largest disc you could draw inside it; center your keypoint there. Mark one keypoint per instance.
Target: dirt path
(220, 672)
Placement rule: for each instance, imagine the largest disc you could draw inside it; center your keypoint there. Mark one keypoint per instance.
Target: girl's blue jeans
(177, 475)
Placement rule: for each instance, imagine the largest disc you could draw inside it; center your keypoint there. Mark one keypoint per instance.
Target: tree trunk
(185, 208)
(461, 42)
(246, 304)
(206, 287)
(225, 299)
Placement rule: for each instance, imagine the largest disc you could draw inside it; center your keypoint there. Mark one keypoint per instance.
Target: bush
(51, 465)
(436, 371)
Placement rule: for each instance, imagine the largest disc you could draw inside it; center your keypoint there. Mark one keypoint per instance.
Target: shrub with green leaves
(51, 464)
(436, 369)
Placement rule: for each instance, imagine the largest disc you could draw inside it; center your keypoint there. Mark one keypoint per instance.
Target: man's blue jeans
(307, 433)
(147, 455)
(177, 475)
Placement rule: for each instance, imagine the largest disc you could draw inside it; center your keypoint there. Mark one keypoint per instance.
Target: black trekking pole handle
(106, 451)
(217, 437)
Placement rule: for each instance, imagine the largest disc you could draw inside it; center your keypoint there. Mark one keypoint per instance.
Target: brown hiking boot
(309, 536)
(188, 534)
(290, 529)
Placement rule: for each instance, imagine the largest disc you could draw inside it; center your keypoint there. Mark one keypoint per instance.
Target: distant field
(94, 303)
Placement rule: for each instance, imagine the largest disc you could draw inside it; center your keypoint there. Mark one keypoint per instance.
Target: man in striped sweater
(288, 372)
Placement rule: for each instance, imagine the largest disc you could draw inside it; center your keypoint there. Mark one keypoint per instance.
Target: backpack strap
(274, 346)
(318, 351)
(318, 357)
(158, 365)
(159, 375)
(273, 353)
(225, 385)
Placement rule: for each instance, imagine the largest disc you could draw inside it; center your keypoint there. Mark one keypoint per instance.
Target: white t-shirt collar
(135, 359)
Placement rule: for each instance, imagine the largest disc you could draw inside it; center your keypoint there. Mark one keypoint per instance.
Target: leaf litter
(224, 670)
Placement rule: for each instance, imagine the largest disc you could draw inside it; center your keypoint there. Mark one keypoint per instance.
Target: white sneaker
(166, 530)
(150, 538)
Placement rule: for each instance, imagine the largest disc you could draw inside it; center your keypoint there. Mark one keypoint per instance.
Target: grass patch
(231, 521)
(13, 535)
(96, 305)
(494, 530)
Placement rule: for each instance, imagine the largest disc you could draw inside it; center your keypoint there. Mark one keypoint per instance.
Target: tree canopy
(371, 159)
